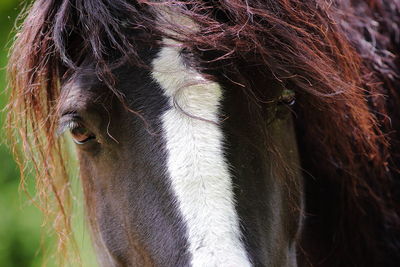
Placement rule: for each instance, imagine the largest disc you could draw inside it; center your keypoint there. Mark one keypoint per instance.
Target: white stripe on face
(196, 165)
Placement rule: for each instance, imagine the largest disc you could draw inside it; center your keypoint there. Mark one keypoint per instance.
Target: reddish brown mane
(346, 95)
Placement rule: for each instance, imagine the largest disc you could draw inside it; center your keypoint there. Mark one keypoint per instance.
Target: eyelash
(67, 126)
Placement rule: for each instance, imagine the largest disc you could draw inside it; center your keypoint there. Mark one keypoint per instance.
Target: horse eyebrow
(83, 76)
(77, 93)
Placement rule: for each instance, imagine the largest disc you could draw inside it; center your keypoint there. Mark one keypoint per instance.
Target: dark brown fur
(347, 97)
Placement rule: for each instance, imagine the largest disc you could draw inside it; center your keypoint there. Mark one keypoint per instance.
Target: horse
(215, 133)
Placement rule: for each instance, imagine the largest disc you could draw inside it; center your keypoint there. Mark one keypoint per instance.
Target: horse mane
(346, 139)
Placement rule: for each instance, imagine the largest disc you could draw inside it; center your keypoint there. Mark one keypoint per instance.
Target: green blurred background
(23, 240)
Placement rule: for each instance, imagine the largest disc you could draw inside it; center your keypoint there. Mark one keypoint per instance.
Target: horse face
(181, 172)
(123, 167)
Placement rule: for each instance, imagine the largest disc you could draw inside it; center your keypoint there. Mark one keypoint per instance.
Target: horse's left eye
(81, 135)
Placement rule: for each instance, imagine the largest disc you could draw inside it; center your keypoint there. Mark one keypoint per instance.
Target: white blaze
(196, 166)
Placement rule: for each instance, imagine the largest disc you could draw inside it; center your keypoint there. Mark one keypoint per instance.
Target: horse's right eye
(81, 134)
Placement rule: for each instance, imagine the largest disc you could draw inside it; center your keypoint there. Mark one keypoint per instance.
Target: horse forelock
(297, 42)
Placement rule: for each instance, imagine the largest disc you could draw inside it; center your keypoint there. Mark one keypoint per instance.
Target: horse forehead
(78, 95)
(196, 166)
